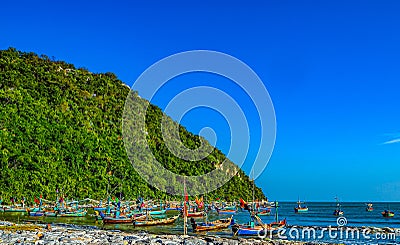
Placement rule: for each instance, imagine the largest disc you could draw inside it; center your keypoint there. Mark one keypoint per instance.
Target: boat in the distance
(388, 214)
(369, 207)
(299, 208)
(338, 211)
(209, 226)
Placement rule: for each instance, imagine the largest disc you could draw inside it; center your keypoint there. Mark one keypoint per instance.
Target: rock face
(34, 234)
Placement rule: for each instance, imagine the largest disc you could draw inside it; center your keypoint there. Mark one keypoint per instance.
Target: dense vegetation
(60, 128)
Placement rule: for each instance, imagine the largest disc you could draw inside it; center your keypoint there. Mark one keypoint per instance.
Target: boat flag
(244, 205)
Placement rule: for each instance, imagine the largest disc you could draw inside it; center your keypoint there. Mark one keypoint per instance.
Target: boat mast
(184, 208)
(254, 208)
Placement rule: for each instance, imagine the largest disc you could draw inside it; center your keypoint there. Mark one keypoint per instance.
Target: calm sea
(320, 214)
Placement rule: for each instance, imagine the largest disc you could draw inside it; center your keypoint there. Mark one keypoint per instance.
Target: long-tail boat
(388, 214)
(75, 213)
(338, 211)
(299, 208)
(369, 207)
(209, 226)
(152, 222)
(251, 229)
(14, 209)
(264, 212)
(119, 220)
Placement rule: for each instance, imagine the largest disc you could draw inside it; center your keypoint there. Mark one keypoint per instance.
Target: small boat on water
(226, 211)
(369, 207)
(158, 212)
(115, 220)
(264, 212)
(152, 222)
(75, 213)
(299, 208)
(338, 211)
(195, 214)
(256, 226)
(209, 226)
(251, 229)
(14, 209)
(388, 214)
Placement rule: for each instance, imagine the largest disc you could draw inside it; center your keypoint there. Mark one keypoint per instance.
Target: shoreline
(11, 233)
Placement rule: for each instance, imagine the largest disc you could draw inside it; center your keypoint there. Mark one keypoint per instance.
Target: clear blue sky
(332, 69)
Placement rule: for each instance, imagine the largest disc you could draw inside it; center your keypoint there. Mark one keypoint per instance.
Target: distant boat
(338, 211)
(299, 208)
(388, 214)
(209, 226)
(369, 207)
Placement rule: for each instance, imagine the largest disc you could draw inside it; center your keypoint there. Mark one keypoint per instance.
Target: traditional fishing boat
(256, 226)
(388, 214)
(173, 209)
(226, 211)
(158, 212)
(251, 229)
(338, 211)
(299, 208)
(116, 220)
(369, 207)
(152, 222)
(264, 212)
(195, 214)
(14, 209)
(209, 226)
(75, 213)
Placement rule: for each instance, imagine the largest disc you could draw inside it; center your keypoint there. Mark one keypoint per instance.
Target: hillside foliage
(60, 128)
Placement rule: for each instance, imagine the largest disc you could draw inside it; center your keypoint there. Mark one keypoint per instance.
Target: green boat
(78, 213)
(13, 209)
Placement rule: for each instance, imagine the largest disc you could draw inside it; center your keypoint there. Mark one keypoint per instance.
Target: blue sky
(331, 68)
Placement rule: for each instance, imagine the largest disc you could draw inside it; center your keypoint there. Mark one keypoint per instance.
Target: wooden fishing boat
(195, 214)
(388, 214)
(230, 207)
(209, 226)
(221, 212)
(258, 230)
(119, 220)
(158, 212)
(369, 207)
(12, 209)
(77, 213)
(173, 209)
(35, 213)
(338, 211)
(299, 208)
(152, 222)
(50, 213)
(264, 212)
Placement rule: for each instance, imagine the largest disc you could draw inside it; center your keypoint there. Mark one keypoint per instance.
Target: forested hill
(60, 128)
